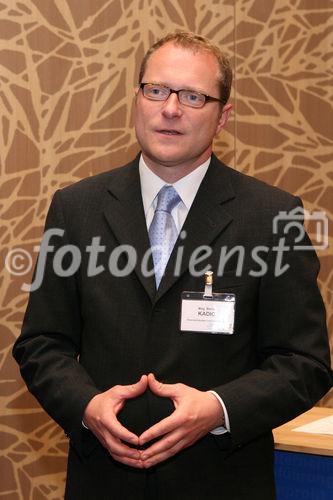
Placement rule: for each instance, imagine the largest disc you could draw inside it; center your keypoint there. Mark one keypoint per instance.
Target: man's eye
(193, 97)
(156, 91)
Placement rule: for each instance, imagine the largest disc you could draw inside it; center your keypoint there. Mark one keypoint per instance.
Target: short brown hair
(196, 42)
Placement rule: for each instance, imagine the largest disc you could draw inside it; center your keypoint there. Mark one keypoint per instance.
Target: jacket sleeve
(293, 371)
(48, 348)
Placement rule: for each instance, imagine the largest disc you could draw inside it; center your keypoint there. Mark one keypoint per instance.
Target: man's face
(172, 135)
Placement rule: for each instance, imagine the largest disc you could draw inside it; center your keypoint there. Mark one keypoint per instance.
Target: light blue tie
(162, 231)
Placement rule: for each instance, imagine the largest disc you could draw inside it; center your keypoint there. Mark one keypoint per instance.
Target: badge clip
(208, 284)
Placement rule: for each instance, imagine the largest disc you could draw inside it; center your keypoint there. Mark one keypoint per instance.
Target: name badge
(208, 314)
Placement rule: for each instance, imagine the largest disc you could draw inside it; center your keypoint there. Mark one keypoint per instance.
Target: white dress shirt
(187, 188)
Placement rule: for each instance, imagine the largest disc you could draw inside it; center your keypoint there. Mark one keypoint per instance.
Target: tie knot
(167, 199)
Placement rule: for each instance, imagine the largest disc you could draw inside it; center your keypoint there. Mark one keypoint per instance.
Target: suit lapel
(207, 218)
(125, 215)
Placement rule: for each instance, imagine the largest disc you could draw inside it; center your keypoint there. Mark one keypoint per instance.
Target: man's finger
(128, 461)
(163, 390)
(131, 390)
(163, 455)
(165, 426)
(164, 444)
(116, 429)
(116, 447)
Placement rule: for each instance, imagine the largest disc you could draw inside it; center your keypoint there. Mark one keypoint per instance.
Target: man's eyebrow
(187, 87)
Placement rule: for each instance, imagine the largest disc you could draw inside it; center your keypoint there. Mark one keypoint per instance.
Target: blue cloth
(300, 476)
(162, 231)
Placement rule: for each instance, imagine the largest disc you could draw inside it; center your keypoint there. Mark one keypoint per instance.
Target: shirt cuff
(222, 429)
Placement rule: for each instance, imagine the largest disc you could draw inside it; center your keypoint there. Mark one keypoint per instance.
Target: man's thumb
(137, 388)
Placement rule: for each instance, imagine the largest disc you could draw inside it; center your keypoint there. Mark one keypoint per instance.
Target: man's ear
(225, 113)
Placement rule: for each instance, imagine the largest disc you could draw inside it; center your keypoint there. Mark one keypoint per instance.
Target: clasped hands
(196, 413)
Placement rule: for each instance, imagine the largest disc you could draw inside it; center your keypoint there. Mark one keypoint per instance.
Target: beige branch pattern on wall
(68, 70)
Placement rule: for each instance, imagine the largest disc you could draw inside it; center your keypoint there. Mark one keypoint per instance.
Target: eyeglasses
(192, 98)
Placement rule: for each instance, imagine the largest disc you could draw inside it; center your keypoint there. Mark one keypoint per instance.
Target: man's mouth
(169, 132)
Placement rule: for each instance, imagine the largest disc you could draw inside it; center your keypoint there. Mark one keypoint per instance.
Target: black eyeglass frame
(173, 91)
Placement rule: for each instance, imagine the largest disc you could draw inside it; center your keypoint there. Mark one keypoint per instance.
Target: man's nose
(172, 107)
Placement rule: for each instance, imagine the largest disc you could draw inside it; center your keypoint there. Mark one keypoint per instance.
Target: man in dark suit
(92, 339)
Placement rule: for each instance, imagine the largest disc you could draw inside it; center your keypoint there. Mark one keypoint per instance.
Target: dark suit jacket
(81, 335)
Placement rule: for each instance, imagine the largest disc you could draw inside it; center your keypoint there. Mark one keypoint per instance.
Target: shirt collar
(186, 187)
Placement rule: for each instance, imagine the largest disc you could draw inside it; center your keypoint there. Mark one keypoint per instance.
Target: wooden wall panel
(67, 70)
